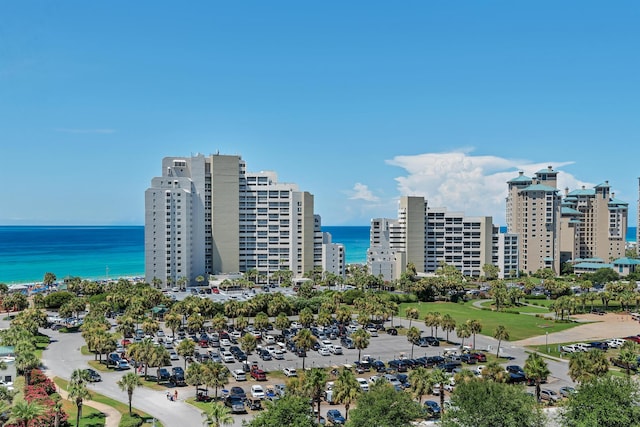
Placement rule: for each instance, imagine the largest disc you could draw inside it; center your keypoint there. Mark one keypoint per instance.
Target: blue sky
(356, 102)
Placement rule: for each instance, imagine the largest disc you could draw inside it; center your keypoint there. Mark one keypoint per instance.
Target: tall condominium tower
(585, 224)
(207, 215)
(533, 213)
(428, 236)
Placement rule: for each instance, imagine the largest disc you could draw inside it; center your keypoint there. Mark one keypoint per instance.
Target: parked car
(392, 331)
(236, 404)
(93, 375)
(480, 357)
(549, 395)
(516, 374)
(364, 385)
(468, 359)
(335, 417)
(324, 351)
(379, 366)
(290, 372)
(162, 374)
(123, 365)
(257, 392)
(239, 375)
(177, 376)
(567, 391)
(237, 392)
(432, 409)
(227, 357)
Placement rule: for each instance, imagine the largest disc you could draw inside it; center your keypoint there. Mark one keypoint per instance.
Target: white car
(239, 375)
(373, 332)
(277, 354)
(257, 392)
(227, 357)
(324, 351)
(269, 339)
(363, 384)
(225, 343)
(336, 349)
(173, 355)
(478, 370)
(290, 372)
(615, 343)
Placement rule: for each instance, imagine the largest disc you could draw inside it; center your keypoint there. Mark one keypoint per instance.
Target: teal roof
(603, 185)
(626, 261)
(583, 192)
(546, 171)
(575, 221)
(618, 202)
(540, 187)
(566, 210)
(548, 259)
(520, 179)
(592, 265)
(600, 260)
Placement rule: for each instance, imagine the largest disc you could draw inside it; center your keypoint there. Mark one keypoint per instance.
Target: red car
(215, 290)
(480, 357)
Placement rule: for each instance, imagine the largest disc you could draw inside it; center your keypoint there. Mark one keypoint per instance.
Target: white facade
(505, 253)
(428, 237)
(207, 215)
(333, 256)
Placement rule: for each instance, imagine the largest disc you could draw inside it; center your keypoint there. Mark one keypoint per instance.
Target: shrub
(133, 420)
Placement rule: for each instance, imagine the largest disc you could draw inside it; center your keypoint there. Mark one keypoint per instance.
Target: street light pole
(546, 340)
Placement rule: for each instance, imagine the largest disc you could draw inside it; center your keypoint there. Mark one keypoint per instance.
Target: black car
(379, 366)
(93, 375)
(241, 356)
(432, 361)
(237, 392)
(392, 331)
(468, 359)
(300, 352)
(448, 366)
(516, 374)
(163, 374)
(398, 365)
(177, 376)
(433, 341)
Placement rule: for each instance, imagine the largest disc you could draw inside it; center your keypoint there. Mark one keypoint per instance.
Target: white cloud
(474, 185)
(84, 131)
(362, 192)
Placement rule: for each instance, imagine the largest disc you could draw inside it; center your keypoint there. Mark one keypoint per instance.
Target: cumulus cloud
(85, 131)
(361, 192)
(474, 185)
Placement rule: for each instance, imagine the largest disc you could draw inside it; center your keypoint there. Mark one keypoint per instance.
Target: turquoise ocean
(100, 252)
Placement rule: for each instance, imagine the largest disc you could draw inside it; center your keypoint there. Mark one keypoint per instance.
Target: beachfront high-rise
(586, 224)
(427, 237)
(207, 215)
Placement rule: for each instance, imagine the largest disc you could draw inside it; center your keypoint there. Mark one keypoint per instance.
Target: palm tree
(585, 366)
(23, 412)
(315, 383)
(216, 375)
(462, 331)
(186, 349)
(500, 334)
(537, 370)
(360, 340)
(77, 390)
(282, 321)
(346, 389)
(475, 327)
(306, 317)
(448, 324)
(217, 415)
(304, 340)
(495, 372)
(420, 380)
(195, 375)
(432, 319)
(412, 314)
(25, 362)
(628, 356)
(439, 376)
(128, 383)
(413, 335)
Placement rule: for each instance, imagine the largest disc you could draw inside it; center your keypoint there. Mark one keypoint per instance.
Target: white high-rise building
(207, 215)
(427, 237)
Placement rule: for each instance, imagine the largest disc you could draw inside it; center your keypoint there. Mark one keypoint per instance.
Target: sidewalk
(112, 416)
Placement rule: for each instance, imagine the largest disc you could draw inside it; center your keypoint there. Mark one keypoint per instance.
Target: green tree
(25, 362)
(475, 327)
(439, 376)
(195, 374)
(173, 321)
(304, 340)
(314, 383)
(413, 335)
(501, 334)
(77, 390)
(217, 414)
(462, 331)
(290, 411)
(448, 324)
(128, 383)
(536, 369)
(282, 321)
(606, 401)
(584, 366)
(248, 343)
(360, 340)
(495, 372)
(306, 317)
(490, 404)
(346, 390)
(49, 278)
(420, 380)
(384, 406)
(412, 314)
(23, 412)
(216, 375)
(629, 356)
(186, 349)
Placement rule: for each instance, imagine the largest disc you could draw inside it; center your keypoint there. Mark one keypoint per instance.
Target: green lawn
(90, 417)
(121, 407)
(521, 308)
(519, 326)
